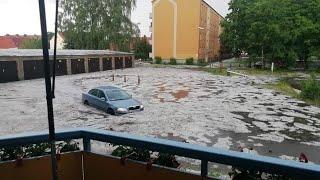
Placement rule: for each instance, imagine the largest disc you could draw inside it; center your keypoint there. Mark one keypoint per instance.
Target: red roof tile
(14, 41)
(7, 43)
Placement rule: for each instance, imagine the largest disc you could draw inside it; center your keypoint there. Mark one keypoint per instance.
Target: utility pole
(46, 63)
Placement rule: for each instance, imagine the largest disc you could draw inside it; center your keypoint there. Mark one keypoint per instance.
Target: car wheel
(111, 111)
(86, 102)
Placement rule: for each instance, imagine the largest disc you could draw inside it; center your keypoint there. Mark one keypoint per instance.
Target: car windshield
(116, 95)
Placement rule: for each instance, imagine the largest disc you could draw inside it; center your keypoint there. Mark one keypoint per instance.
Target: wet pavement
(180, 104)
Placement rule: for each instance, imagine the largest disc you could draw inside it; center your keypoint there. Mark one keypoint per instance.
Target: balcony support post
(86, 145)
(204, 168)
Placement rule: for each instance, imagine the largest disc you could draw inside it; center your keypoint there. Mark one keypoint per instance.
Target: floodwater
(180, 104)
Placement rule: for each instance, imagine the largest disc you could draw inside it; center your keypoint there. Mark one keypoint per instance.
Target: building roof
(205, 1)
(65, 52)
(15, 40)
(61, 34)
(6, 43)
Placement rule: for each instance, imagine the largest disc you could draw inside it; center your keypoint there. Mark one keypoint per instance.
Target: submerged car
(111, 99)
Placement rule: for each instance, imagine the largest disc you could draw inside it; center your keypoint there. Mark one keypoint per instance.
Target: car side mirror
(103, 99)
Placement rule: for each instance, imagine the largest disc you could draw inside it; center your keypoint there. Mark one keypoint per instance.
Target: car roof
(107, 88)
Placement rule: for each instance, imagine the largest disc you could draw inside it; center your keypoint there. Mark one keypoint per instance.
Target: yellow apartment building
(185, 28)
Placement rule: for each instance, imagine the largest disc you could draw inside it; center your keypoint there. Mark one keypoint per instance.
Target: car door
(102, 100)
(93, 97)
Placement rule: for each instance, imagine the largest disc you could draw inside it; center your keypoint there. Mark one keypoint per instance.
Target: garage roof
(38, 52)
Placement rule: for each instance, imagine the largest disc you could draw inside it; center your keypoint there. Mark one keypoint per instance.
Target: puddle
(270, 109)
(300, 120)
(269, 148)
(240, 99)
(103, 115)
(266, 104)
(218, 92)
(126, 123)
(297, 111)
(251, 123)
(303, 105)
(158, 98)
(181, 94)
(162, 88)
(204, 97)
(300, 135)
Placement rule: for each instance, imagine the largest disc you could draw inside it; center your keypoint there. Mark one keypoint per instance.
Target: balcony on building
(90, 163)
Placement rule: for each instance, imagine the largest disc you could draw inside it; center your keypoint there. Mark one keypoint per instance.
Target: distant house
(14, 41)
(60, 41)
(7, 43)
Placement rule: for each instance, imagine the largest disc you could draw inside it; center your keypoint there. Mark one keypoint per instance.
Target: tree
(278, 31)
(142, 49)
(31, 43)
(96, 24)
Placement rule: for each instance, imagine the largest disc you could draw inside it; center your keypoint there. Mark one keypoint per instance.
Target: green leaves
(97, 24)
(32, 43)
(311, 89)
(142, 49)
(35, 150)
(281, 31)
(144, 155)
(132, 153)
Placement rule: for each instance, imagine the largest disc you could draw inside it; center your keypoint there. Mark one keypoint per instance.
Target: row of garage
(33, 69)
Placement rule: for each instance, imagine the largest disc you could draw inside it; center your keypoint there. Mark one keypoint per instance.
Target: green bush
(167, 160)
(202, 62)
(35, 150)
(142, 49)
(189, 61)
(144, 155)
(311, 89)
(132, 153)
(158, 60)
(173, 61)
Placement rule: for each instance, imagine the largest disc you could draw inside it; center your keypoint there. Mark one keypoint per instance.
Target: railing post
(86, 145)
(204, 168)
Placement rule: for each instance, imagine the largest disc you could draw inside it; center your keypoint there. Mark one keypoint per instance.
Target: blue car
(111, 99)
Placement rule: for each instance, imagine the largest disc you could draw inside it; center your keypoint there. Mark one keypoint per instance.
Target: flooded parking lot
(180, 104)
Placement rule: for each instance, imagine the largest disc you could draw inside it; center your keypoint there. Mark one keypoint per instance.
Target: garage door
(118, 62)
(128, 61)
(107, 64)
(8, 71)
(61, 67)
(77, 66)
(33, 69)
(94, 65)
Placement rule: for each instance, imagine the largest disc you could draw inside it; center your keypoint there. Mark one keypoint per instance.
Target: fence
(205, 154)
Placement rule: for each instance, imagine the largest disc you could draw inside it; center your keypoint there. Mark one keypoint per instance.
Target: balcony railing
(205, 154)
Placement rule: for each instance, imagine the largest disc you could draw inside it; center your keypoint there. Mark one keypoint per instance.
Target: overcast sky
(22, 16)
